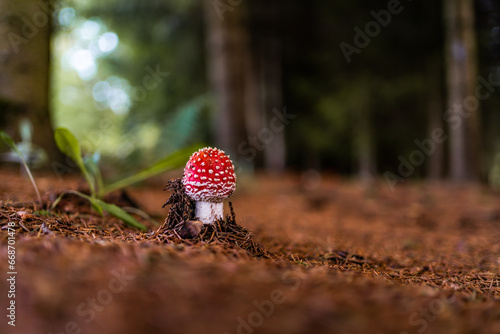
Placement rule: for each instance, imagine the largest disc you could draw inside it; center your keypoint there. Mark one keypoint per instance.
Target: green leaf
(120, 214)
(101, 206)
(43, 213)
(77, 193)
(9, 141)
(96, 206)
(68, 144)
(174, 160)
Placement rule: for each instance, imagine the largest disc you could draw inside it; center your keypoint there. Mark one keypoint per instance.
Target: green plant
(70, 146)
(33, 155)
(12, 145)
(174, 160)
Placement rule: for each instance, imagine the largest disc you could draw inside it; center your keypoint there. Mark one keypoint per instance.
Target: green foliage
(168, 116)
(174, 160)
(12, 145)
(32, 154)
(100, 206)
(9, 141)
(70, 146)
(118, 213)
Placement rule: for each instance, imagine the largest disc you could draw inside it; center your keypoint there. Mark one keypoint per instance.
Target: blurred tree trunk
(254, 112)
(435, 168)
(266, 55)
(25, 29)
(365, 146)
(461, 76)
(272, 101)
(228, 55)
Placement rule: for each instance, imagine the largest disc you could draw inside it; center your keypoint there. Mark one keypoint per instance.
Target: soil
(299, 254)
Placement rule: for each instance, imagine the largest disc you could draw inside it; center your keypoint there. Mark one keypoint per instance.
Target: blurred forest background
(390, 89)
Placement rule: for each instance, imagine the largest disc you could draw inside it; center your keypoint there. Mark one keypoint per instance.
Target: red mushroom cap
(209, 176)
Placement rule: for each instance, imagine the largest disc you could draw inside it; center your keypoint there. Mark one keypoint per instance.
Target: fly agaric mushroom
(209, 179)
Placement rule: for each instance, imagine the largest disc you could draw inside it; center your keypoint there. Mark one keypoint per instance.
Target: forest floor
(338, 257)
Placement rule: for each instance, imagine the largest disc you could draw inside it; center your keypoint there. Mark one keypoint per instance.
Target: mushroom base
(209, 212)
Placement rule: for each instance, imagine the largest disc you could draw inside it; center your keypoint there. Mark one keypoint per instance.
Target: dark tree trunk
(248, 84)
(272, 100)
(435, 167)
(228, 57)
(267, 58)
(364, 147)
(461, 77)
(25, 29)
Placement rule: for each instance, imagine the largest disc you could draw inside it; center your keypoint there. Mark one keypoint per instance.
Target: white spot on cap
(210, 171)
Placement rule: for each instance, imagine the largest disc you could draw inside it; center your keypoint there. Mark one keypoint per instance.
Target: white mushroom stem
(209, 212)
